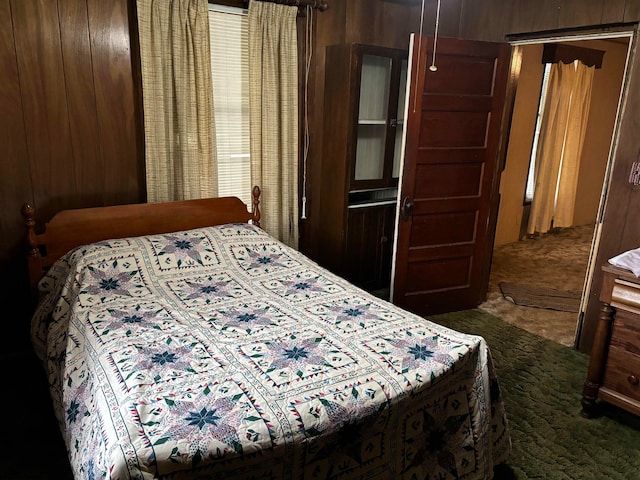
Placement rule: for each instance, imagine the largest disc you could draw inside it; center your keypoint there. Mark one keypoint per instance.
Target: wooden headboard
(69, 229)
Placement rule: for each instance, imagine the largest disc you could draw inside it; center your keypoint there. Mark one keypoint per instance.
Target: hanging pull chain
(306, 140)
(433, 67)
(415, 95)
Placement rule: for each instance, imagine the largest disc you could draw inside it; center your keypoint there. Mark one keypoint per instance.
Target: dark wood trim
(136, 77)
(231, 3)
(316, 4)
(611, 28)
(561, 52)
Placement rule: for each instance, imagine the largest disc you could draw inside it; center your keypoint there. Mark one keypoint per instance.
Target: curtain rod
(317, 4)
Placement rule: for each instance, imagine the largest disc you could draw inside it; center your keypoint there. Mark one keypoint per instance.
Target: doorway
(593, 174)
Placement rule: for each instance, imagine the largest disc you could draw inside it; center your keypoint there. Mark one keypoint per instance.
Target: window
(229, 37)
(528, 195)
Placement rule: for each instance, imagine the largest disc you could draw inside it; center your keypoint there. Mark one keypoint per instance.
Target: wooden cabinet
(368, 245)
(362, 139)
(614, 366)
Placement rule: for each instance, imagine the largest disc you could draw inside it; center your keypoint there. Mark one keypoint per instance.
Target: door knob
(407, 208)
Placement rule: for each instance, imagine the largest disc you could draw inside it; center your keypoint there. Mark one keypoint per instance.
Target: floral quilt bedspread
(221, 353)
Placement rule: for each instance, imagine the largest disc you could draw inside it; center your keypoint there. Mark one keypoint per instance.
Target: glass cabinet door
(372, 117)
(362, 130)
(397, 148)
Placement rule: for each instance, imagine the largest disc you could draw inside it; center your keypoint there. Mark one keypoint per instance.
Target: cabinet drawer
(625, 333)
(622, 372)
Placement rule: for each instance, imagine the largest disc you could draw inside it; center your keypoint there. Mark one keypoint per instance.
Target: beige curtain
(574, 140)
(564, 122)
(177, 99)
(273, 97)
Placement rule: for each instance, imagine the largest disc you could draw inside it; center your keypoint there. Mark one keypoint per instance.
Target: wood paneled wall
(71, 123)
(494, 20)
(390, 22)
(70, 127)
(372, 22)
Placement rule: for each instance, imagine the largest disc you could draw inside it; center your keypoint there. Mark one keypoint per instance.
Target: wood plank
(620, 228)
(532, 16)
(339, 108)
(450, 13)
(15, 186)
(631, 229)
(398, 25)
(623, 199)
(612, 11)
(329, 29)
(484, 20)
(115, 102)
(14, 165)
(575, 13)
(631, 11)
(78, 68)
(43, 91)
(14, 190)
(364, 22)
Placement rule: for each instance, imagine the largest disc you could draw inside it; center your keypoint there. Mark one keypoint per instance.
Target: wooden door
(450, 181)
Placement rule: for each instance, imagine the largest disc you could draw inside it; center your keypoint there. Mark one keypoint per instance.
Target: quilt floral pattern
(221, 353)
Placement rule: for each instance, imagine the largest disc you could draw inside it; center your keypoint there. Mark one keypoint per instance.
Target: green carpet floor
(541, 383)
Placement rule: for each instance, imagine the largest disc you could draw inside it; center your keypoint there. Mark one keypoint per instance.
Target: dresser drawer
(622, 368)
(614, 364)
(625, 332)
(622, 372)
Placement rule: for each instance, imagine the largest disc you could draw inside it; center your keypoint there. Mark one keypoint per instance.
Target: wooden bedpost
(33, 254)
(256, 209)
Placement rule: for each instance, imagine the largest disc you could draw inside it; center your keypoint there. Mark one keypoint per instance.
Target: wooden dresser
(614, 367)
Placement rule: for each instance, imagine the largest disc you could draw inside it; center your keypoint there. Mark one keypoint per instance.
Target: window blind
(228, 33)
(531, 177)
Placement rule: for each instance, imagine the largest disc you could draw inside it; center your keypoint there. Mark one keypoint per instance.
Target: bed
(181, 341)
